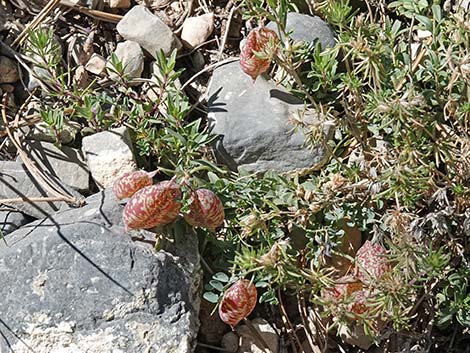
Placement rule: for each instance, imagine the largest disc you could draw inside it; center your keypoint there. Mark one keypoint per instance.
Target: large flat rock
(254, 124)
(76, 283)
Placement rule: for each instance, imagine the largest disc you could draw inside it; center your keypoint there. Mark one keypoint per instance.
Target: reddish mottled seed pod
(343, 287)
(371, 262)
(152, 206)
(238, 302)
(206, 210)
(131, 182)
(347, 288)
(257, 41)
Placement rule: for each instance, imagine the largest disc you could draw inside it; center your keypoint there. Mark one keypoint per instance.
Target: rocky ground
(73, 279)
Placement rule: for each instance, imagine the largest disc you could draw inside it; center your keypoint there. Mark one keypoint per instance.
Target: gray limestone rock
(308, 28)
(75, 282)
(96, 65)
(143, 27)
(109, 155)
(11, 220)
(65, 163)
(132, 58)
(17, 182)
(253, 121)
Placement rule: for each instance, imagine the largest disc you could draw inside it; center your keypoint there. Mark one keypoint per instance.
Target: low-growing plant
(395, 91)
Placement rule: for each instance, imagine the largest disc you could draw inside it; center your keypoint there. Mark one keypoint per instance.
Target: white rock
(196, 30)
(132, 58)
(96, 64)
(153, 4)
(109, 155)
(250, 344)
(119, 4)
(423, 34)
(143, 27)
(8, 70)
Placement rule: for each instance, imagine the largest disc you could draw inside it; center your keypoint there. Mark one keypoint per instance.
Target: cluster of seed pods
(370, 265)
(256, 45)
(157, 205)
(238, 302)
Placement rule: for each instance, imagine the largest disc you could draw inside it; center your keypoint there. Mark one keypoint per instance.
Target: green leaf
(425, 21)
(436, 12)
(211, 297)
(261, 284)
(213, 178)
(217, 285)
(221, 277)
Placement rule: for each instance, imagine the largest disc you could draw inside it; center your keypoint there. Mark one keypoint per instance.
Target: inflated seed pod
(348, 288)
(257, 43)
(206, 210)
(238, 302)
(128, 184)
(371, 262)
(343, 287)
(153, 206)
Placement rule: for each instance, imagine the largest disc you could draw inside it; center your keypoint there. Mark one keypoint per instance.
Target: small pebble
(96, 64)
(423, 34)
(132, 57)
(8, 70)
(196, 30)
(119, 4)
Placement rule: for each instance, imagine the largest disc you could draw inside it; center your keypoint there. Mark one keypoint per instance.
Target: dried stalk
(288, 323)
(99, 15)
(303, 316)
(257, 335)
(33, 121)
(41, 178)
(206, 69)
(419, 58)
(227, 28)
(32, 199)
(36, 22)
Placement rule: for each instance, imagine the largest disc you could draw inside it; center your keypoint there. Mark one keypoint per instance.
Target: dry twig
(99, 15)
(48, 184)
(36, 22)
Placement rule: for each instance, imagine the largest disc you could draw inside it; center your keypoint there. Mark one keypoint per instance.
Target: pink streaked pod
(238, 302)
(206, 210)
(128, 184)
(371, 262)
(153, 206)
(257, 42)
